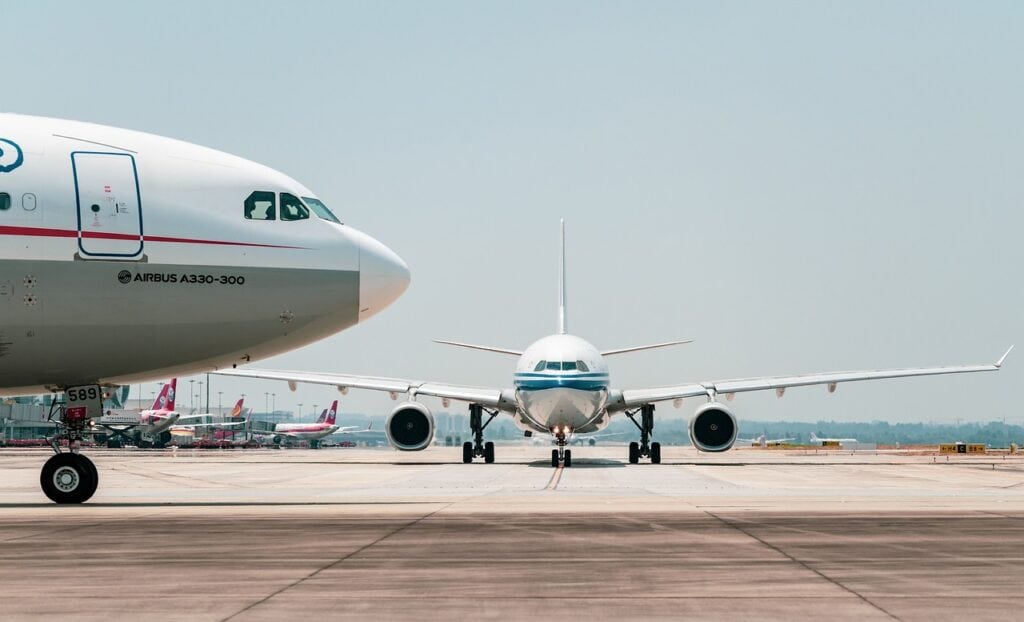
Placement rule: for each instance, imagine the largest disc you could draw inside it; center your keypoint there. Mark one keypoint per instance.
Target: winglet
(999, 363)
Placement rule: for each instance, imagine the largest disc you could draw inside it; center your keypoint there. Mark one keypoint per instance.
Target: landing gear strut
(645, 448)
(69, 477)
(561, 455)
(477, 447)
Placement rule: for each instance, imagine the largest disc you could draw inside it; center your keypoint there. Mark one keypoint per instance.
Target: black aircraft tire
(467, 452)
(568, 458)
(554, 458)
(655, 453)
(68, 478)
(489, 452)
(634, 452)
(87, 463)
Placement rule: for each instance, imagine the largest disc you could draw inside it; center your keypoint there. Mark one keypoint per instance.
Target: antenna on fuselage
(563, 323)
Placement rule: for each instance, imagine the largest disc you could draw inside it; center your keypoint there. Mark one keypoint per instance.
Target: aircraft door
(109, 205)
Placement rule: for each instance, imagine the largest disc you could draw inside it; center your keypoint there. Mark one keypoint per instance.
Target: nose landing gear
(645, 448)
(68, 476)
(561, 455)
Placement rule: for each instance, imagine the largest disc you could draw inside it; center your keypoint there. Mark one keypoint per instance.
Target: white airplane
(146, 427)
(763, 441)
(561, 386)
(312, 432)
(126, 257)
(830, 441)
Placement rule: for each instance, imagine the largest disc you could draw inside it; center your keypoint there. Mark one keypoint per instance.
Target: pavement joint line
(804, 564)
(335, 563)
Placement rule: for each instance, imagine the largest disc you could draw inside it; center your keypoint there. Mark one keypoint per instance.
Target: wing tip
(999, 363)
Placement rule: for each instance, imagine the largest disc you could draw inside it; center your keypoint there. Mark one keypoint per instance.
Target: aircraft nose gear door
(109, 205)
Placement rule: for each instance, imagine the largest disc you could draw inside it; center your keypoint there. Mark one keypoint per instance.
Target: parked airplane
(205, 420)
(764, 441)
(127, 257)
(312, 432)
(830, 441)
(561, 386)
(145, 428)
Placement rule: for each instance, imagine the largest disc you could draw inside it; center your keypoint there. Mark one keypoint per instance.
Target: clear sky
(799, 187)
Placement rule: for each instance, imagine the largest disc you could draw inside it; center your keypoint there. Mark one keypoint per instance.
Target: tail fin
(322, 417)
(237, 410)
(814, 437)
(332, 413)
(165, 401)
(563, 320)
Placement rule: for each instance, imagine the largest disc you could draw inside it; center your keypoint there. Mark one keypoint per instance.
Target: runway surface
(375, 534)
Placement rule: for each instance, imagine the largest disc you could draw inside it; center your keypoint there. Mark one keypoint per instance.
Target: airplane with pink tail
(312, 432)
(146, 427)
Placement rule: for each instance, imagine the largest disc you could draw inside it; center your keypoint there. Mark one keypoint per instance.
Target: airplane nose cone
(383, 276)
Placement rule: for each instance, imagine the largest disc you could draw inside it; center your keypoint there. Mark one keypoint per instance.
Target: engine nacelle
(410, 427)
(713, 428)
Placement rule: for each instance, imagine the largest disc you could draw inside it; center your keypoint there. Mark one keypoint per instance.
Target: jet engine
(410, 427)
(713, 428)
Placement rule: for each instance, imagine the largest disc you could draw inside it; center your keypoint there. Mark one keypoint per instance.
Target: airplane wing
(219, 424)
(478, 395)
(632, 398)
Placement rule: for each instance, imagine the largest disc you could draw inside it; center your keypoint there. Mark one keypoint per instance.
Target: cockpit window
(568, 365)
(554, 365)
(540, 366)
(580, 365)
(321, 210)
(292, 208)
(261, 206)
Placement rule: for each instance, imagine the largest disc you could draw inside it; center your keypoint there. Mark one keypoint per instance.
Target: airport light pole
(192, 393)
(273, 402)
(314, 412)
(220, 406)
(199, 396)
(207, 392)
(266, 401)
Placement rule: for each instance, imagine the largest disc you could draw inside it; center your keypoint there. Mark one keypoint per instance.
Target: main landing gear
(69, 477)
(645, 448)
(477, 448)
(561, 455)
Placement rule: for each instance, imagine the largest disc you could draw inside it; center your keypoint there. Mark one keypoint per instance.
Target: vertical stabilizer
(236, 412)
(332, 413)
(165, 401)
(563, 322)
(322, 417)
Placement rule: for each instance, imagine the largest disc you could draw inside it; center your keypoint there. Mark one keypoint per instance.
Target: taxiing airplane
(764, 441)
(830, 441)
(312, 432)
(561, 386)
(126, 257)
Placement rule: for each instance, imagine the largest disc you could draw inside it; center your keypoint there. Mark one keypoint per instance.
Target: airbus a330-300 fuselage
(127, 256)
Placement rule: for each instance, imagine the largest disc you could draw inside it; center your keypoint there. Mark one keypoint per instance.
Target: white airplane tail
(563, 320)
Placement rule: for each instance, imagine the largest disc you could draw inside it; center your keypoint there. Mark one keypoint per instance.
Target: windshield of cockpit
(321, 210)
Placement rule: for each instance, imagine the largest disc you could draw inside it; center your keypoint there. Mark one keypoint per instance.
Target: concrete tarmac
(375, 534)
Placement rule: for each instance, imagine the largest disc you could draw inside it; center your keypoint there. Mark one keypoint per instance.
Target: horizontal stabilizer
(648, 347)
(476, 347)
